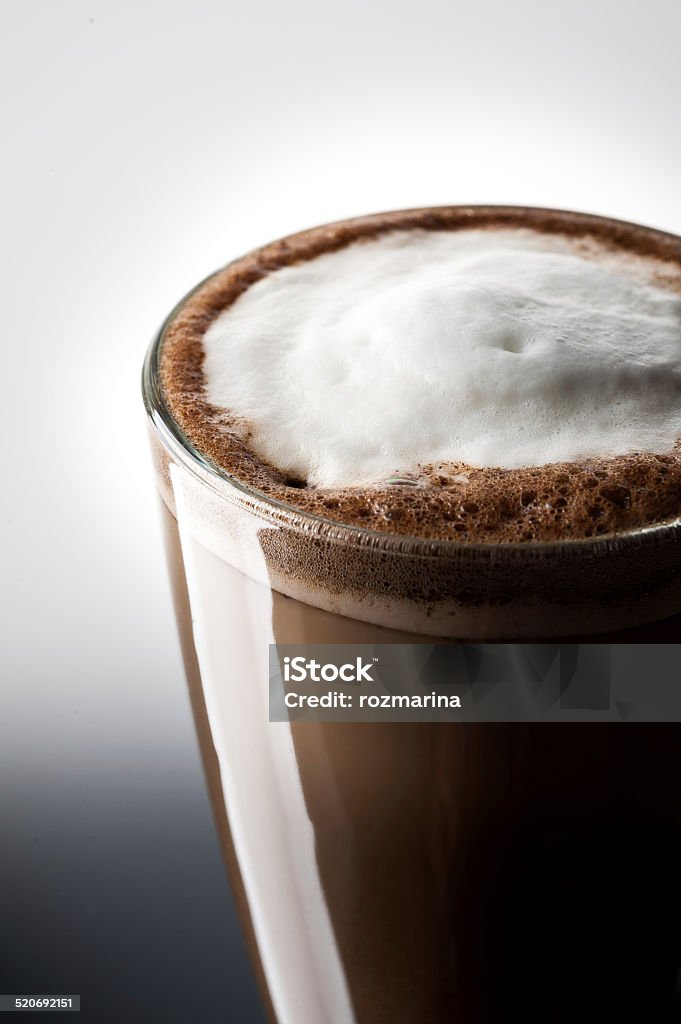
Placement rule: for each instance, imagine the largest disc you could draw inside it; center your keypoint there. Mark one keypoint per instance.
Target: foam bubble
(505, 348)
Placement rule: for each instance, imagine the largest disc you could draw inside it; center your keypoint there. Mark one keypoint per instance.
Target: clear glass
(426, 872)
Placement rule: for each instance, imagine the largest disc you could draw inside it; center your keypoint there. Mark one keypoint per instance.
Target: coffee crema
(472, 374)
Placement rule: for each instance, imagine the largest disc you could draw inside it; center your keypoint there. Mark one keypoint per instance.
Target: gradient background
(145, 144)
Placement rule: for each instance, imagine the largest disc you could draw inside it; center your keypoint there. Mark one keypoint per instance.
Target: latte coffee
(447, 426)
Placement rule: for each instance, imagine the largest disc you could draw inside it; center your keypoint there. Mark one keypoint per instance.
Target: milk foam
(505, 348)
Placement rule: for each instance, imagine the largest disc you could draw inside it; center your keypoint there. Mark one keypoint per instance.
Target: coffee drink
(445, 425)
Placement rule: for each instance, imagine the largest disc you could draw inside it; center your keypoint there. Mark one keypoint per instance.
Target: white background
(147, 143)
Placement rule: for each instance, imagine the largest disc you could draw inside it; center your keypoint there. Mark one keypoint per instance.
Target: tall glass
(433, 871)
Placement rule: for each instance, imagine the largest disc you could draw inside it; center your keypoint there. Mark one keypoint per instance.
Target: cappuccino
(460, 424)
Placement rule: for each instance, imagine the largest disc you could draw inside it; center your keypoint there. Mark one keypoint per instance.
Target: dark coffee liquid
(483, 873)
(500, 872)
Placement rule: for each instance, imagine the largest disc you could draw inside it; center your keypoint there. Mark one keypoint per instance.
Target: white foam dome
(491, 347)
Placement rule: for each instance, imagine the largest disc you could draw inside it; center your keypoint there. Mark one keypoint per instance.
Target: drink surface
(480, 376)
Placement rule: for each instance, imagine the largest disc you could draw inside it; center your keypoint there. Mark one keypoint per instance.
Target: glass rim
(174, 439)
